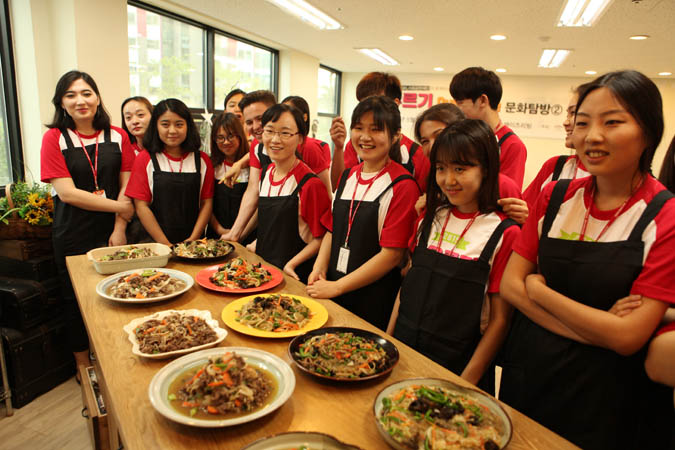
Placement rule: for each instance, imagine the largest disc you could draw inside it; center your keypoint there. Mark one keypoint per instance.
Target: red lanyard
(180, 167)
(608, 224)
(351, 204)
(283, 180)
(94, 167)
(466, 228)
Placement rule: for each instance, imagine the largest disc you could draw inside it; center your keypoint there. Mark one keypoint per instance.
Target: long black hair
(61, 118)
(642, 99)
(385, 115)
(302, 105)
(138, 99)
(151, 140)
(232, 126)
(467, 142)
(667, 174)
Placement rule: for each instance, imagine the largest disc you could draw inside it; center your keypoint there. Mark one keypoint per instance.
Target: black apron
(278, 230)
(226, 202)
(441, 302)
(374, 301)
(409, 166)
(590, 395)
(264, 159)
(175, 199)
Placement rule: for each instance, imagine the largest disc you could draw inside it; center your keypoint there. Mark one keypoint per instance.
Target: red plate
(203, 279)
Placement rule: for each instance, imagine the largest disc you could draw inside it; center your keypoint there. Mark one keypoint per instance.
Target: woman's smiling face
(371, 142)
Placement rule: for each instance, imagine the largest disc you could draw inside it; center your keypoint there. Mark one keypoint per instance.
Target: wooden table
(342, 410)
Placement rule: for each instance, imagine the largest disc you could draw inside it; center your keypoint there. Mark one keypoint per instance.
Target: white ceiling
(454, 34)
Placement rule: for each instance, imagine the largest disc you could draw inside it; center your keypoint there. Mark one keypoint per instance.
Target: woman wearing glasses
(292, 198)
(228, 145)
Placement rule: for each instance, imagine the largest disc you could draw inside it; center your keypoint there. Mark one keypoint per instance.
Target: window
(172, 56)
(330, 82)
(11, 159)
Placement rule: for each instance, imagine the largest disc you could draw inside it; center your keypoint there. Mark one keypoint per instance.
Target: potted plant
(26, 211)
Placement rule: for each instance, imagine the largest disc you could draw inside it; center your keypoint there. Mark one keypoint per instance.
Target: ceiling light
(665, 74)
(638, 37)
(497, 37)
(406, 37)
(582, 13)
(500, 70)
(551, 58)
(590, 72)
(439, 69)
(379, 56)
(308, 13)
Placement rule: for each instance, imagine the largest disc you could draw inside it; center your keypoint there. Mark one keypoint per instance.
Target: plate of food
(109, 260)
(144, 285)
(238, 276)
(172, 332)
(220, 387)
(203, 250)
(431, 413)
(274, 315)
(343, 354)
(299, 440)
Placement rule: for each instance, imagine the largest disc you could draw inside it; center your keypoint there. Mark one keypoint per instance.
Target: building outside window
(329, 83)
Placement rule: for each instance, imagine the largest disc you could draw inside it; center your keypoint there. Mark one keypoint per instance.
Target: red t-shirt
(572, 169)
(508, 188)
(474, 240)
(314, 200)
(140, 184)
(396, 215)
(658, 270)
(53, 164)
(420, 162)
(311, 152)
(512, 156)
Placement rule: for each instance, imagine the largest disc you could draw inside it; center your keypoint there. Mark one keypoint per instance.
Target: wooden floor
(51, 421)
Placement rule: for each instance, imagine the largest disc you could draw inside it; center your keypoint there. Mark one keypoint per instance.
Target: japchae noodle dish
(240, 274)
(146, 284)
(274, 313)
(173, 332)
(203, 248)
(225, 385)
(432, 417)
(342, 355)
(131, 252)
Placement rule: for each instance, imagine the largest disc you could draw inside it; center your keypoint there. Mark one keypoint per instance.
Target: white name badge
(343, 259)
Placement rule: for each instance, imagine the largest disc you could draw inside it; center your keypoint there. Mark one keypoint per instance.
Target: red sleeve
(312, 155)
(666, 328)
(412, 243)
(512, 160)
(527, 244)
(209, 181)
(138, 186)
(350, 156)
(127, 149)
(314, 205)
(534, 189)
(325, 148)
(657, 275)
(254, 162)
(422, 166)
(508, 188)
(52, 162)
(502, 257)
(400, 219)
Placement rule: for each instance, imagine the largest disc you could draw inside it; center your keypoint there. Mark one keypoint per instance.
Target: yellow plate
(319, 317)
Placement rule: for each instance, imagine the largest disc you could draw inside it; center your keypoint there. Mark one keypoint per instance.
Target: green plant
(32, 202)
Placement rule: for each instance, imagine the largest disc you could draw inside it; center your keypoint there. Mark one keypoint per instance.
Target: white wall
(298, 75)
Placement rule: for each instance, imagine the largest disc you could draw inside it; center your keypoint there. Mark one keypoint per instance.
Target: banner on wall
(529, 114)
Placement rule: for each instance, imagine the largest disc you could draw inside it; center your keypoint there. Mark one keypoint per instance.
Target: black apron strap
(489, 248)
(107, 138)
(653, 208)
(198, 162)
(504, 138)
(304, 180)
(413, 149)
(155, 164)
(559, 164)
(342, 183)
(396, 180)
(557, 197)
(66, 137)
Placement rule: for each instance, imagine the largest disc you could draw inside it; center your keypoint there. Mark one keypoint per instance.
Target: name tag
(343, 259)
(100, 193)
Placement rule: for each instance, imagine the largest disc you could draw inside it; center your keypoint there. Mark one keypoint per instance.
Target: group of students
(421, 240)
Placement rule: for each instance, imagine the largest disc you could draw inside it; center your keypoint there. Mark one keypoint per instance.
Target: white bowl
(280, 370)
(221, 334)
(296, 439)
(104, 285)
(106, 267)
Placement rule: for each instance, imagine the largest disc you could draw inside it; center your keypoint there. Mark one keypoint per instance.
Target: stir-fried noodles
(146, 284)
(173, 332)
(240, 274)
(274, 313)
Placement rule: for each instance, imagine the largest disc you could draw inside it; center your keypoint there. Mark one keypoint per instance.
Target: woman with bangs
(372, 219)
(228, 145)
(460, 248)
(570, 361)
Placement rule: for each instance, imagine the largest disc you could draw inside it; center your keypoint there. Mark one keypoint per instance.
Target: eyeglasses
(228, 138)
(283, 135)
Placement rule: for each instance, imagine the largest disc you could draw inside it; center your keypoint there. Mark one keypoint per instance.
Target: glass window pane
(327, 91)
(238, 65)
(166, 58)
(5, 160)
(323, 131)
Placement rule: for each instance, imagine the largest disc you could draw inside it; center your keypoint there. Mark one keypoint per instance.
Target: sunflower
(32, 217)
(33, 199)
